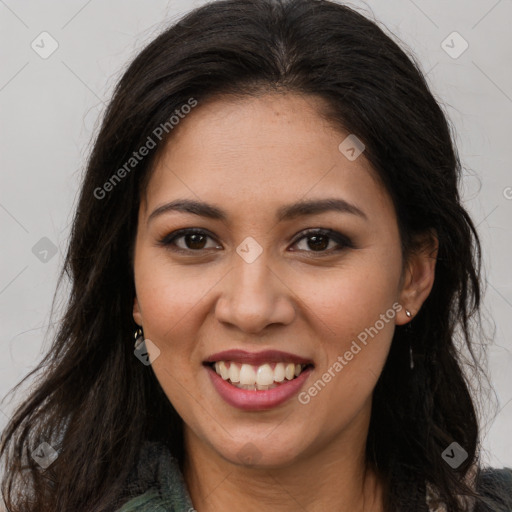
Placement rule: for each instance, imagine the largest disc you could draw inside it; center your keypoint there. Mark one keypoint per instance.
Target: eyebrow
(284, 213)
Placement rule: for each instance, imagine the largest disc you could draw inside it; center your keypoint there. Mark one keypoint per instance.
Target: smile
(257, 378)
(257, 381)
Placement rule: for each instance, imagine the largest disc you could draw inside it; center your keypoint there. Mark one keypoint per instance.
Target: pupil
(314, 242)
(195, 237)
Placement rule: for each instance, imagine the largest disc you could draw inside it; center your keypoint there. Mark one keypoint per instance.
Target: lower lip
(250, 400)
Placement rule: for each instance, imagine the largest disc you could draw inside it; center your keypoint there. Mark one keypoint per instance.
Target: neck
(335, 478)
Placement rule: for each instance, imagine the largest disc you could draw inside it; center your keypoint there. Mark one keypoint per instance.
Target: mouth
(262, 377)
(257, 381)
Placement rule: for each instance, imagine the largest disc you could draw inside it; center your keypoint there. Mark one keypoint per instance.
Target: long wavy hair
(96, 404)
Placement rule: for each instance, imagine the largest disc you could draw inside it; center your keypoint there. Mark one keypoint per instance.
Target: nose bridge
(252, 265)
(253, 276)
(253, 296)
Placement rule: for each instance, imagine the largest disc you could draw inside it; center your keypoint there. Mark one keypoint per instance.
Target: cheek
(170, 299)
(168, 295)
(354, 312)
(347, 300)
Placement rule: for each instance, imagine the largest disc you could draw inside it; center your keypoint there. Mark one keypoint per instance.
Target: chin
(261, 451)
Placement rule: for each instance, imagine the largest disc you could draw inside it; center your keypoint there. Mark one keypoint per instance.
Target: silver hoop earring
(139, 338)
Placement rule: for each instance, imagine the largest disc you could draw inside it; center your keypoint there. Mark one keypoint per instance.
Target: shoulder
(495, 485)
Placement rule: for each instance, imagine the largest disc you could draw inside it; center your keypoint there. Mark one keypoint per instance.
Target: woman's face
(255, 280)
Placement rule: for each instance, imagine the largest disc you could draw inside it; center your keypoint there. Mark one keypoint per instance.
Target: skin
(250, 157)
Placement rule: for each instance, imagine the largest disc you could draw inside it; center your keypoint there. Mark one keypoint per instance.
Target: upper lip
(257, 358)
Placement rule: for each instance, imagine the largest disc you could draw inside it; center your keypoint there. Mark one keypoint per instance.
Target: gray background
(49, 110)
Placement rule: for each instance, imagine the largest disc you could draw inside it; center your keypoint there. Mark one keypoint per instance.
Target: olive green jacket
(157, 485)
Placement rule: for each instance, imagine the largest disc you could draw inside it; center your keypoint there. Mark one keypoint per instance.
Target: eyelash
(343, 241)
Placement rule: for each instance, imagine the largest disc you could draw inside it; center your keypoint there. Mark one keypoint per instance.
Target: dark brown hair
(95, 403)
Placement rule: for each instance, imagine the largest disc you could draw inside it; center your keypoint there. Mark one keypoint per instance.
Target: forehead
(259, 153)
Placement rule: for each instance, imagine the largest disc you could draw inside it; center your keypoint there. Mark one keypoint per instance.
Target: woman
(271, 210)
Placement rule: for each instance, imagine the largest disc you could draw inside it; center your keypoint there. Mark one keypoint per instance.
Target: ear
(137, 315)
(419, 273)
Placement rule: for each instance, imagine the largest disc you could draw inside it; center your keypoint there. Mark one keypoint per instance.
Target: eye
(193, 240)
(320, 239)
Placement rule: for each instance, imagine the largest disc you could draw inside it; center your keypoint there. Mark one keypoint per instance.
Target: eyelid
(338, 237)
(167, 240)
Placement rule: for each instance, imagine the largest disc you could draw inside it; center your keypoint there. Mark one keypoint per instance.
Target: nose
(254, 296)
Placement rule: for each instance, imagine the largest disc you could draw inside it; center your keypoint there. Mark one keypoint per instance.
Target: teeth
(222, 369)
(247, 376)
(289, 371)
(279, 372)
(234, 373)
(265, 375)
